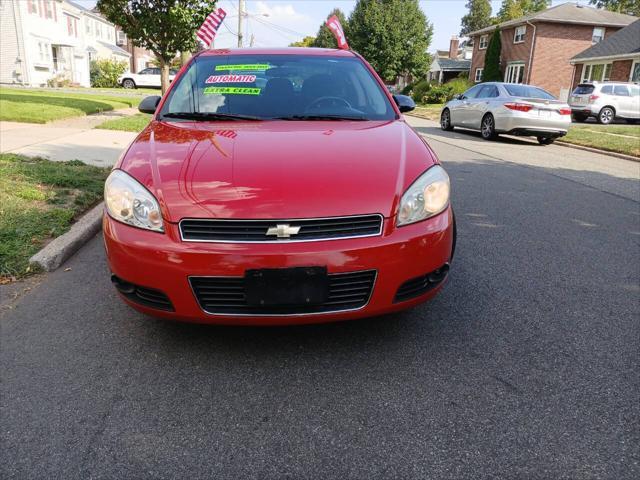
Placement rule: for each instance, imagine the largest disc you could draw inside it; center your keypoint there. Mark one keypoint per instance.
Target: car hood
(276, 169)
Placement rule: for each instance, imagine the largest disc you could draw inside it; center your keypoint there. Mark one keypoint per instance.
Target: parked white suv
(605, 101)
(149, 77)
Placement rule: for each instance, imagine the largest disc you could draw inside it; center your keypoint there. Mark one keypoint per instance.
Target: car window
(607, 89)
(528, 91)
(473, 91)
(270, 86)
(584, 90)
(155, 71)
(621, 90)
(146, 71)
(635, 90)
(488, 91)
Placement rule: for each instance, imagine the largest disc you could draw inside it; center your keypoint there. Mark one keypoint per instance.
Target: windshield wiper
(209, 116)
(321, 117)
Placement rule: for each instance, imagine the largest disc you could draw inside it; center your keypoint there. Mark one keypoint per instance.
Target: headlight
(426, 197)
(129, 202)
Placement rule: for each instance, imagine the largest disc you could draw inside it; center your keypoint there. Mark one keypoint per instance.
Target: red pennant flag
(334, 25)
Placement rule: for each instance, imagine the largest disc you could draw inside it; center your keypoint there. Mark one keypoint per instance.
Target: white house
(43, 40)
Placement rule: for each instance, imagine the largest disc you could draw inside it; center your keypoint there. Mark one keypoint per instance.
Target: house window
(598, 34)
(479, 73)
(598, 72)
(122, 37)
(87, 26)
(635, 72)
(48, 8)
(518, 36)
(514, 73)
(32, 6)
(484, 41)
(98, 30)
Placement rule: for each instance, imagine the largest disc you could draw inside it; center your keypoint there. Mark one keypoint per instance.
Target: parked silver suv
(605, 101)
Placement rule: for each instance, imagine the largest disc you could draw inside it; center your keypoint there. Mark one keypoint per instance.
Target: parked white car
(514, 109)
(149, 77)
(606, 102)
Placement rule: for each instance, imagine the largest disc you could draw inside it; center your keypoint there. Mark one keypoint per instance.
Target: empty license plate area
(286, 286)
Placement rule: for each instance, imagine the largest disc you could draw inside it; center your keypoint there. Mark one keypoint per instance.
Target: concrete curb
(62, 247)
(597, 150)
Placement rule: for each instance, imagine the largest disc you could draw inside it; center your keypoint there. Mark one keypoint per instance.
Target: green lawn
(613, 138)
(39, 199)
(429, 111)
(41, 106)
(134, 123)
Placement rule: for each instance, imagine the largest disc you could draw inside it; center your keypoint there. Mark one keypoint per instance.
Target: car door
(142, 78)
(480, 105)
(623, 100)
(154, 78)
(634, 90)
(460, 112)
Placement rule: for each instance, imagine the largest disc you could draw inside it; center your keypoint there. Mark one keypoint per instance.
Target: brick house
(448, 64)
(615, 59)
(537, 49)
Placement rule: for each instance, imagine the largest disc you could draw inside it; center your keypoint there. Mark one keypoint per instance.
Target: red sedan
(277, 186)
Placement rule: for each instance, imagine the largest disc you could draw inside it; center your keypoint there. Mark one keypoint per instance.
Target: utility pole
(240, 18)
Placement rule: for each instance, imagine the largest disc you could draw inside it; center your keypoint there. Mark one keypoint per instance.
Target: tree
(479, 16)
(393, 35)
(630, 7)
(305, 42)
(165, 27)
(325, 37)
(512, 9)
(492, 71)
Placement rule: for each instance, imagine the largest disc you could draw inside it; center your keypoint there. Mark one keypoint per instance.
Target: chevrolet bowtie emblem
(283, 230)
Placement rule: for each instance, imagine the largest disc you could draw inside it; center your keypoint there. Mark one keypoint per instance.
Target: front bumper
(164, 263)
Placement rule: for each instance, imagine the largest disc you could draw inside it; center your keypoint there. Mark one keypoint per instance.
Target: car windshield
(583, 90)
(291, 87)
(528, 91)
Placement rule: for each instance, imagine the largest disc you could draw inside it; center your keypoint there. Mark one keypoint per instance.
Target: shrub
(104, 73)
(420, 89)
(444, 93)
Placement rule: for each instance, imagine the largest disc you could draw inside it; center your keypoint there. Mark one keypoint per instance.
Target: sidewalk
(70, 139)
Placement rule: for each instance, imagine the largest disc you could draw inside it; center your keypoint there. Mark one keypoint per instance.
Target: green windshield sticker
(260, 67)
(231, 91)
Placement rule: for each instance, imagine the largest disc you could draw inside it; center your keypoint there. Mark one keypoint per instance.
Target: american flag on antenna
(209, 28)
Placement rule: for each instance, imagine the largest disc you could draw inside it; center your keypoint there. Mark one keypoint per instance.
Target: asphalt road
(525, 367)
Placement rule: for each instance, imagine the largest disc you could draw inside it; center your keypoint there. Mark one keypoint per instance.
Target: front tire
(128, 83)
(488, 127)
(445, 120)
(546, 140)
(606, 116)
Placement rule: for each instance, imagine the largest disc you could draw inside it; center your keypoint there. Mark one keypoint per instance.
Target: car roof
(318, 52)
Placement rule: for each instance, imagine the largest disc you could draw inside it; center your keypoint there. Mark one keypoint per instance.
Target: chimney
(453, 47)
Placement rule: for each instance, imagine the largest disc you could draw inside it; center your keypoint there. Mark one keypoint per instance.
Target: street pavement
(68, 139)
(524, 367)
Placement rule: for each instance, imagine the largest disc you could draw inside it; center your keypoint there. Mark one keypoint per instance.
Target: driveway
(526, 366)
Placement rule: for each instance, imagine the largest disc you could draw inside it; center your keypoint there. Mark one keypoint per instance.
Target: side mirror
(149, 104)
(405, 104)
(459, 97)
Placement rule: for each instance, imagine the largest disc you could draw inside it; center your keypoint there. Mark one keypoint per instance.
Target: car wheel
(488, 127)
(606, 115)
(128, 83)
(445, 120)
(546, 140)
(577, 117)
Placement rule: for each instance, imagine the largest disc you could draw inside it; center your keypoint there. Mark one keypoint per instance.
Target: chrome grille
(225, 295)
(216, 230)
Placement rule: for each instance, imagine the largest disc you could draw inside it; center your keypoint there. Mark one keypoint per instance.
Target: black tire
(488, 127)
(546, 140)
(128, 83)
(606, 116)
(580, 117)
(445, 120)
